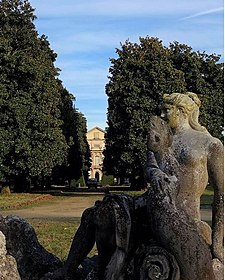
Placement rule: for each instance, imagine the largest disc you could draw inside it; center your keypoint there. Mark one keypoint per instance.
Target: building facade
(96, 141)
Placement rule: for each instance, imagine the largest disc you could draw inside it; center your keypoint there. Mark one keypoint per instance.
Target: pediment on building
(97, 129)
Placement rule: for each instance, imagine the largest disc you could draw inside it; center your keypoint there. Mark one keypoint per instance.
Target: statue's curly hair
(189, 103)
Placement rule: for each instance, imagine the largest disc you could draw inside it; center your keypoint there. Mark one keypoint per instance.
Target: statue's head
(187, 105)
(159, 135)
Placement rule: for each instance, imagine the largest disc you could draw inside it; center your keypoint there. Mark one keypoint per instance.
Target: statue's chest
(188, 153)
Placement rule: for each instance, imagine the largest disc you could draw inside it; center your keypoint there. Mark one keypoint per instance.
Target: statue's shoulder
(215, 145)
(211, 145)
(205, 138)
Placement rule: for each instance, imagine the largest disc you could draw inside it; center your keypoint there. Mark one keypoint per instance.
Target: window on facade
(96, 135)
(96, 146)
(97, 160)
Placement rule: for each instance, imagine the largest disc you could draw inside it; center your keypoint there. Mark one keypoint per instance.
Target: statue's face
(171, 114)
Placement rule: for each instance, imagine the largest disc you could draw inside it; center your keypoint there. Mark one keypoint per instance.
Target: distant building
(96, 141)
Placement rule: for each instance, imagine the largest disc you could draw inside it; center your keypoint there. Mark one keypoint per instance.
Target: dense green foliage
(203, 75)
(139, 77)
(74, 129)
(107, 180)
(33, 137)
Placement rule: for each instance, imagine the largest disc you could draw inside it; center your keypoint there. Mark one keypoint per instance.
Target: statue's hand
(164, 185)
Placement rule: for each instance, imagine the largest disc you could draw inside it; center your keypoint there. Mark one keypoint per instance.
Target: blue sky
(86, 33)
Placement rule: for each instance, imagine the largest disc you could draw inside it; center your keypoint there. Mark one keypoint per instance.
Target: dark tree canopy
(74, 129)
(203, 75)
(139, 77)
(33, 133)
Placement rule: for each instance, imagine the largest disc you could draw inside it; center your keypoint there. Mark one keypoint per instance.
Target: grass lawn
(56, 235)
(24, 200)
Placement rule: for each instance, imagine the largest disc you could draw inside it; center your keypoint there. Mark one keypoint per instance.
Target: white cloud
(203, 13)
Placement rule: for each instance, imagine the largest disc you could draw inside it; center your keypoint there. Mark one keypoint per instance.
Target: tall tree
(74, 129)
(139, 77)
(31, 140)
(82, 148)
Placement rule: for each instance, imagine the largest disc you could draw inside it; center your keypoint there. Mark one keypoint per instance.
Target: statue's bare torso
(191, 150)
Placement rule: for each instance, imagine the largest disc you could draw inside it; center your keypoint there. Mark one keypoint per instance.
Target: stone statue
(200, 159)
(172, 227)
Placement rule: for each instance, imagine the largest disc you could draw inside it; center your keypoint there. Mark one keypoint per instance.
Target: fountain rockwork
(33, 261)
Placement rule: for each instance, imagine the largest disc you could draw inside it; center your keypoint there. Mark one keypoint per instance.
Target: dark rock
(32, 259)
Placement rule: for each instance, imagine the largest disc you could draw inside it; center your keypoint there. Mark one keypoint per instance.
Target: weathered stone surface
(201, 160)
(178, 234)
(3, 251)
(8, 265)
(218, 269)
(86, 271)
(172, 225)
(32, 259)
(151, 262)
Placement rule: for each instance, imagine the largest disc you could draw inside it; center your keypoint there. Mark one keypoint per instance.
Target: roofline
(96, 127)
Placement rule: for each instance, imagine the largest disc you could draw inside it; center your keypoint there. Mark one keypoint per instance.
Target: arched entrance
(97, 176)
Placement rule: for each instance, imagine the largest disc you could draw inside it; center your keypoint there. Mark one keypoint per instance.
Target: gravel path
(67, 208)
(71, 207)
